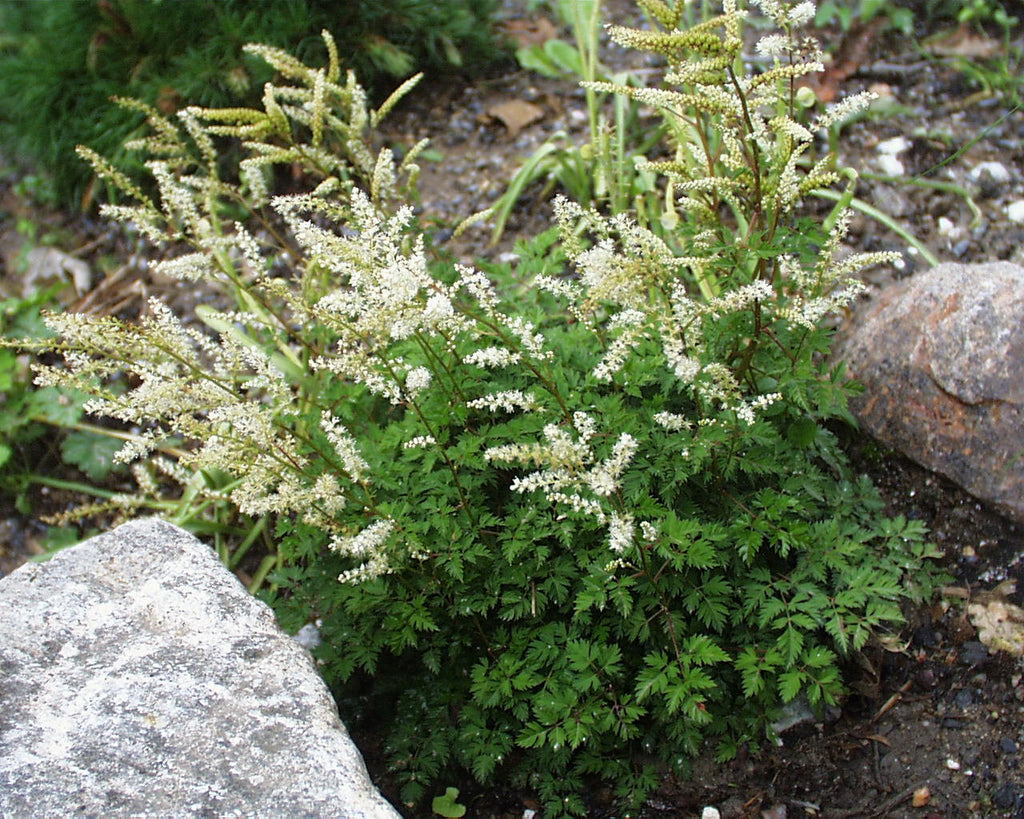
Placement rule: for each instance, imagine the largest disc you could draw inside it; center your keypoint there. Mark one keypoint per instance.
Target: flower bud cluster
(266, 393)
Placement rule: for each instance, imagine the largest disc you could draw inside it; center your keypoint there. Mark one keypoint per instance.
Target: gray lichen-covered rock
(138, 678)
(941, 356)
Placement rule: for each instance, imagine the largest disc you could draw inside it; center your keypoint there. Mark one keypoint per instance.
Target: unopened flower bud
(805, 97)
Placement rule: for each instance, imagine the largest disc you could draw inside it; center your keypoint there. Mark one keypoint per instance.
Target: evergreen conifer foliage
(62, 61)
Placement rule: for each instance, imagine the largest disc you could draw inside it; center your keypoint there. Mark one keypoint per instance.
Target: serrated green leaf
(59, 407)
(790, 644)
(533, 735)
(91, 452)
(702, 650)
(790, 683)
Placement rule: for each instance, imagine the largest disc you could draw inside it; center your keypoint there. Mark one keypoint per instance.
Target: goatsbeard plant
(571, 533)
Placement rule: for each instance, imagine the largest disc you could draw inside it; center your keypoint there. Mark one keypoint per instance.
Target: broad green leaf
(91, 452)
(802, 432)
(56, 406)
(447, 804)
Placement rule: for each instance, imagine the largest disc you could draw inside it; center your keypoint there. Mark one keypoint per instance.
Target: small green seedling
(447, 805)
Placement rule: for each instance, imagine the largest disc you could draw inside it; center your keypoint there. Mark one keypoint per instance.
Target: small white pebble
(887, 151)
(997, 170)
(710, 813)
(952, 764)
(1015, 211)
(947, 227)
(890, 165)
(893, 146)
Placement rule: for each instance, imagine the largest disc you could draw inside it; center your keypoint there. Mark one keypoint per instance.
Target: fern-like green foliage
(61, 62)
(562, 524)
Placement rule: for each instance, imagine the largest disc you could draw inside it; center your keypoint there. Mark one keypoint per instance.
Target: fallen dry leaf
(963, 42)
(1000, 624)
(515, 114)
(526, 33)
(851, 53)
(1000, 592)
(48, 266)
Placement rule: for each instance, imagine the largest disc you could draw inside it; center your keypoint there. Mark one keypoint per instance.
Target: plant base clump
(557, 533)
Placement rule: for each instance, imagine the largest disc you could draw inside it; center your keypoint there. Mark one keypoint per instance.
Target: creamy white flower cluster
(571, 475)
(630, 322)
(505, 401)
(639, 310)
(318, 119)
(326, 104)
(787, 15)
(384, 294)
(832, 277)
(763, 144)
(367, 546)
(493, 357)
(225, 395)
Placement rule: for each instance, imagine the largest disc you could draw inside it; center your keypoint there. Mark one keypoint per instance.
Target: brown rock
(922, 796)
(941, 356)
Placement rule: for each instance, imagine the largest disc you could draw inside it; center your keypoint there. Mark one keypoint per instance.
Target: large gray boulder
(138, 678)
(941, 356)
